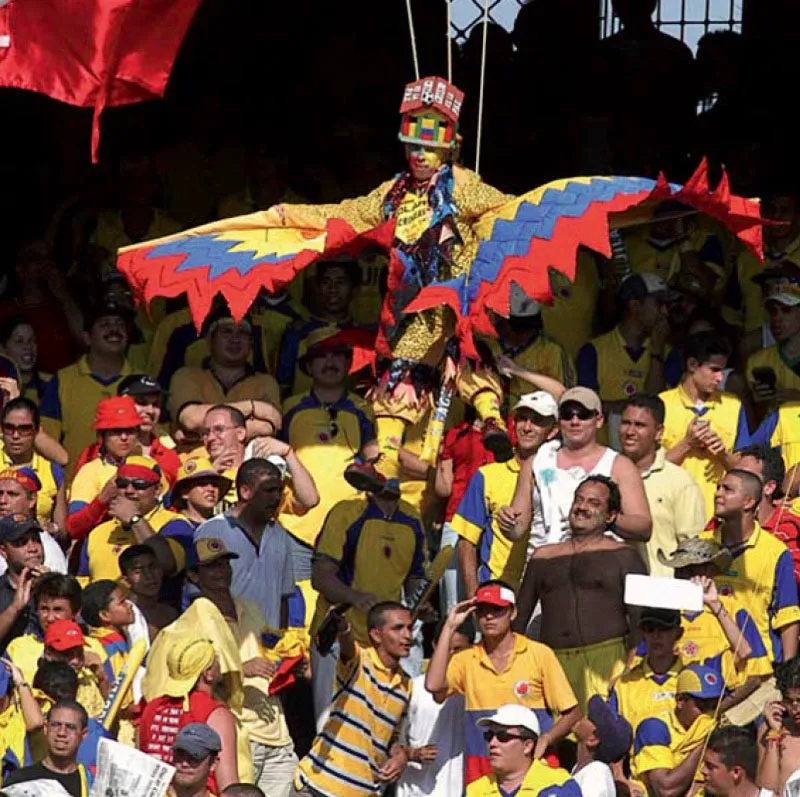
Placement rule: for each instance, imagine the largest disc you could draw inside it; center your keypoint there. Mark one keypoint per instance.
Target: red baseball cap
(63, 635)
(495, 595)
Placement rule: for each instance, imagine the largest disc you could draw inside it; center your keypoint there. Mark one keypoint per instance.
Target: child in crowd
(142, 573)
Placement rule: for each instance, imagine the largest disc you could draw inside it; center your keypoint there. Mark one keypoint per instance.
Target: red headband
(129, 471)
(25, 481)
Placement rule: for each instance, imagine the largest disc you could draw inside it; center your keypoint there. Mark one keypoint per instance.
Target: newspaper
(125, 772)
(36, 788)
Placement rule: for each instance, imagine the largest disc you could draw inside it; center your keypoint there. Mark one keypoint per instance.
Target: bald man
(761, 576)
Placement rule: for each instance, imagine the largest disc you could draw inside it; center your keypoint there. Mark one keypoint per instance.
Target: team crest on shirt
(689, 648)
(324, 437)
(522, 690)
(629, 388)
(725, 589)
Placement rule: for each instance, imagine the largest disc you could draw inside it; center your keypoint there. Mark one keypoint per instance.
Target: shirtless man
(560, 466)
(581, 585)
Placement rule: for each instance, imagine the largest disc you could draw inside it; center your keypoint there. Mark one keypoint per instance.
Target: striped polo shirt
(369, 704)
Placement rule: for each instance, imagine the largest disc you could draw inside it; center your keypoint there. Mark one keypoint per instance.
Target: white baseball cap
(540, 402)
(512, 715)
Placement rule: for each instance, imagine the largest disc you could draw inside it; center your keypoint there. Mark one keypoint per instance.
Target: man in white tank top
(544, 493)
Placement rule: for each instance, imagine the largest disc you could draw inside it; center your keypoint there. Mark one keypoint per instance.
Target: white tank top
(555, 490)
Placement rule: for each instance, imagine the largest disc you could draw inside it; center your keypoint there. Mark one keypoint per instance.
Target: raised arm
(634, 523)
(516, 519)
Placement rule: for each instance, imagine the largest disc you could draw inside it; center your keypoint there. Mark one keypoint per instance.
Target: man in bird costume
(460, 254)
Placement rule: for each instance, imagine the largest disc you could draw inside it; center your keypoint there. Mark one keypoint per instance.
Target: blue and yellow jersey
(570, 318)
(663, 743)
(199, 384)
(540, 780)
(725, 415)
(533, 677)
(89, 481)
(787, 371)
(611, 369)
(375, 553)
(782, 429)
(69, 403)
(761, 580)
(326, 438)
(491, 488)
(176, 343)
(116, 648)
(641, 693)
(370, 703)
(543, 355)
(100, 554)
(51, 477)
(704, 642)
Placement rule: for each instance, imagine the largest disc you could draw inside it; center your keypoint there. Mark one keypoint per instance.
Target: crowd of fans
(183, 491)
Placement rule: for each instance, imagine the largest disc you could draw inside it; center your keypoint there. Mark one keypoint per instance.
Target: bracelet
(24, 685)
(346, 630)
(252, 408)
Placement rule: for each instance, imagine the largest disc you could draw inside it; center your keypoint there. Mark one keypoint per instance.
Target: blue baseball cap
(698, 681)
(198, 740)
(615, 732)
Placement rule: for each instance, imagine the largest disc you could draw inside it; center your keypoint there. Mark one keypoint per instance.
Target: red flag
(92, 53)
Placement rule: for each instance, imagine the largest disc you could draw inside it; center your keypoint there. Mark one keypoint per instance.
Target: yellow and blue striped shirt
(368, 707)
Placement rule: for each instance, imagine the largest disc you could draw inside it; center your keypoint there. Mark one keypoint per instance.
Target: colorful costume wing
(237, 258)
(542, 230)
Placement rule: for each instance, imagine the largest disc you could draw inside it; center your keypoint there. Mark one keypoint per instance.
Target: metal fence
(686, 20)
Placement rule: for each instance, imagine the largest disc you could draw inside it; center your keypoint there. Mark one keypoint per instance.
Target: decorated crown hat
(430, 110)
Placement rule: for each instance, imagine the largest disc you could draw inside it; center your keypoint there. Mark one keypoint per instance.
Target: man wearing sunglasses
(137, 517)
(581, 586)
(561, 465)
(511, 734)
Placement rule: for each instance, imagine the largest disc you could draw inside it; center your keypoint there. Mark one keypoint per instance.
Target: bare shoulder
(551, 551)
(623, 468)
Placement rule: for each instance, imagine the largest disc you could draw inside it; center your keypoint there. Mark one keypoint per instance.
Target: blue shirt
(262, 574)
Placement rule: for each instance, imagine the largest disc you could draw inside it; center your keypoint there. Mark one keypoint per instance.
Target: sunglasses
(22, 429)
(502, 736)
(137, 484)
(581, 413)
(333, 426)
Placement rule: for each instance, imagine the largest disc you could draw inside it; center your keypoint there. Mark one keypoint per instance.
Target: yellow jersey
(725, 415)
(491, 488)
(51, 477)
(69, 403)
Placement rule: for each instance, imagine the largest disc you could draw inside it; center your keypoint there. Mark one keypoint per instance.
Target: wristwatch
(132, 522)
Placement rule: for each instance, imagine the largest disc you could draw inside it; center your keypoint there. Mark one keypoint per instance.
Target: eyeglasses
(581, 413)
(791, 702)
(137, 484)
(216, 430)
(21, 429)
(502, 736)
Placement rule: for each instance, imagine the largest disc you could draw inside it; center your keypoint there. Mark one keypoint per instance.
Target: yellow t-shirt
(375, 553)
(570, 318)
(51, 477)
(100, 555)
(326, 441)
(725, 415)
(773, 357)
(193, 384)
(69, 403)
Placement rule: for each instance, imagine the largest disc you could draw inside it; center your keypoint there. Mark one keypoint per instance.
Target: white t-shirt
(792, 786)
(442, 724)
(595, 780)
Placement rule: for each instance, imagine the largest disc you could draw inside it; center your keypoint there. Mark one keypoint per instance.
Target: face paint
(423, 162)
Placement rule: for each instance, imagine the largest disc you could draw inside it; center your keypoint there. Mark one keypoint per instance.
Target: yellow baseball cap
(187, 659)
(200, 468)
(209, 549)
